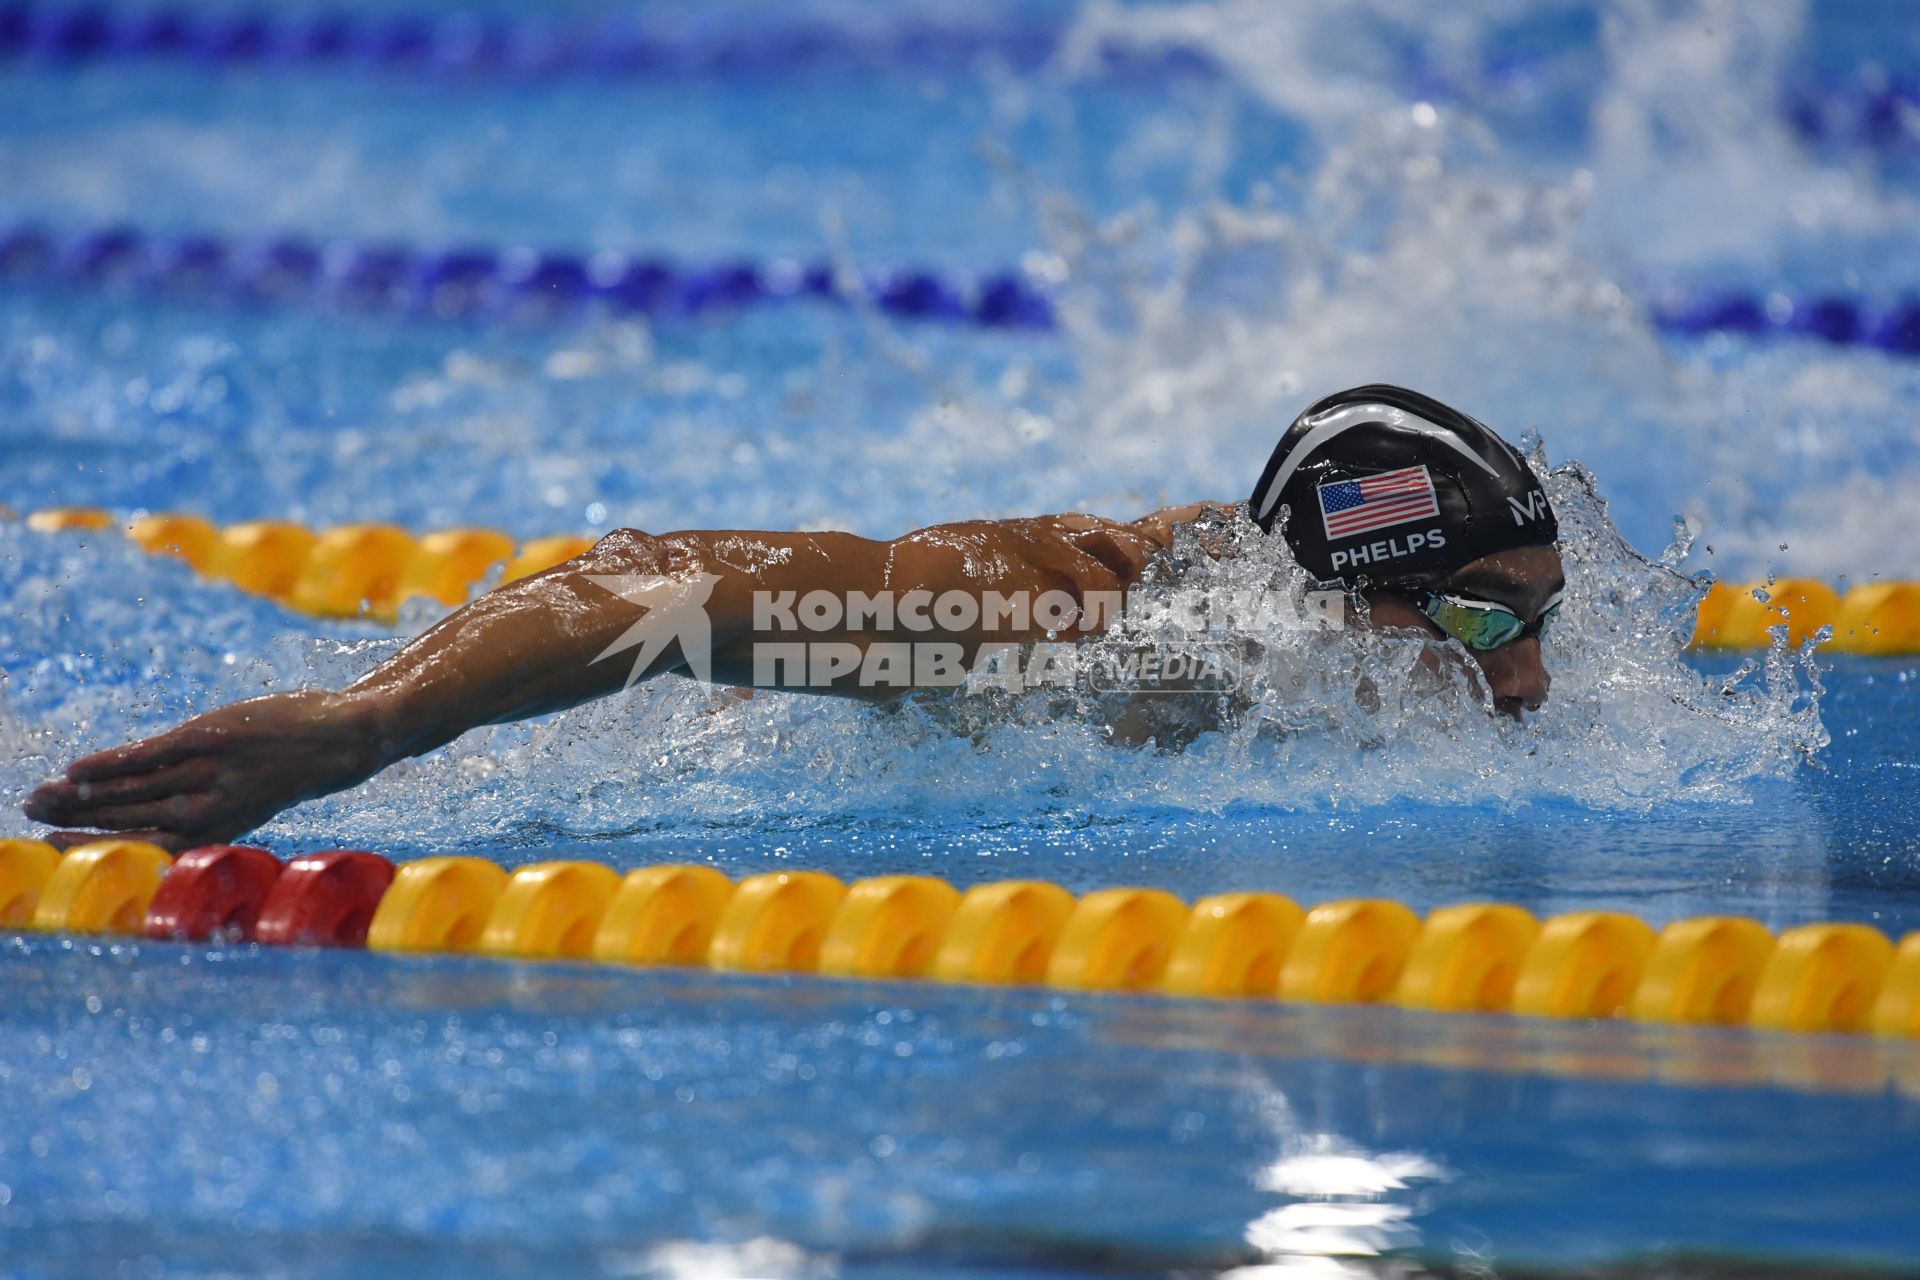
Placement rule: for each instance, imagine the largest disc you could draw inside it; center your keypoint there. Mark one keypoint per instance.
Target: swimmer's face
(1523, 580)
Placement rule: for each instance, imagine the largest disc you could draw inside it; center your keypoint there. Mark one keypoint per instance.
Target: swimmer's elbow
(637, 551)
(621, 553)
(688, 557)
(624, 551)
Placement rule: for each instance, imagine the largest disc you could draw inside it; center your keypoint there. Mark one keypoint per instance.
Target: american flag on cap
(1353, 507)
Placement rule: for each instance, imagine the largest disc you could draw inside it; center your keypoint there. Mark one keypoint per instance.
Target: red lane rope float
(370, 570)
(243, 894)
(325, 899)
(1471, 957)
(213, 892)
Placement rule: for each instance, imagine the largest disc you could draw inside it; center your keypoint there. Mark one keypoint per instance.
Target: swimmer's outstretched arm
(531, 647)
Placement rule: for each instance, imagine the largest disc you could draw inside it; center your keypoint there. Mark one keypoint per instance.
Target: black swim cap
(1393, 486)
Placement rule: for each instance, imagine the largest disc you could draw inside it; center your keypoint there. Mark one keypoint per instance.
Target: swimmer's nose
(1517, 677)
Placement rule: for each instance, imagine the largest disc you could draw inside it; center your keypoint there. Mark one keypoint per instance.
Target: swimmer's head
(1384, 485)
(1440, 519)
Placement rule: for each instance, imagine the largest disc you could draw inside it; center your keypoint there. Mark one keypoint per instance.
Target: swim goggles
(1479, 624)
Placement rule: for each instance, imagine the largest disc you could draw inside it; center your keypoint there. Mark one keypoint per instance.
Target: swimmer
(1427, 520)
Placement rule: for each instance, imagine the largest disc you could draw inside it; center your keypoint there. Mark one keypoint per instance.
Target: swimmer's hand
(218, 775)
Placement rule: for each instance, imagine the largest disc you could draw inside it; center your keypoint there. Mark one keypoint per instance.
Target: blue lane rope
(1872, 108)
(1882, 112)
(475, 44)
(480, 281)
(1844, 321)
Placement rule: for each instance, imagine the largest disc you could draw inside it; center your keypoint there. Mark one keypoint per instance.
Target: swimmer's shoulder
(1088, 550)
(1156, 526)
(1121, 546)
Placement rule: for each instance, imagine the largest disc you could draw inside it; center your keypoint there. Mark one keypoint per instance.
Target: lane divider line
(477, 46)
(1842, 320)
(528, 285)
(516, 283)
(1869, 106)
(1478, 957)
(370, 570)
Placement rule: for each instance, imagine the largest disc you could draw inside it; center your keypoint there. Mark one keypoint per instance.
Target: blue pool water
(1489, 206)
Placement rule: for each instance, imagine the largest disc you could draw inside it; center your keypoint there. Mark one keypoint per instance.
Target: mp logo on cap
(1534, 508)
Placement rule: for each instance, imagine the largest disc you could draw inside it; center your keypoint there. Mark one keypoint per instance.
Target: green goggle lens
(1481, 625)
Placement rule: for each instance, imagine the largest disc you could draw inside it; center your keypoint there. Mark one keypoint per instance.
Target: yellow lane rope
(1469, 958)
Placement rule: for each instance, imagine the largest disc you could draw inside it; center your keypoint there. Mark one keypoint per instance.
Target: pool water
(1488, 205)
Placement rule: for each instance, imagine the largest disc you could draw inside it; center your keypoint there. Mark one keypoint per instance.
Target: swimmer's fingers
(162, 749)
(65, 802)
(171, 841)
(187, 816)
